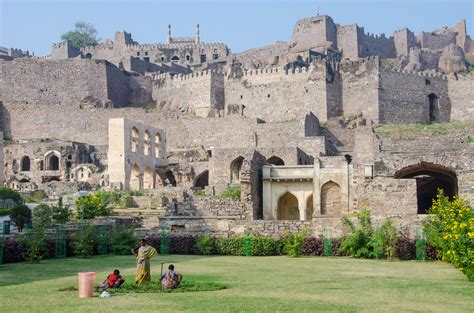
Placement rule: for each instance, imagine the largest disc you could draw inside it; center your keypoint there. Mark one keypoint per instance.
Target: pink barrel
(86, 284)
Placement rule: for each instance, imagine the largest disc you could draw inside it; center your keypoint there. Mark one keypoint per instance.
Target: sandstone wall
(461, 93)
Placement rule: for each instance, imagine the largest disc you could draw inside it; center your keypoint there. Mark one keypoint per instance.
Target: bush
(229, 246)
(20, 216)
(36, 196)
(42, 216)
(183, 245)
(385, 240)
(232, 192)
(84, 241)
(205, 244)
(60, 213)
(266, 246)
(451, 231)
(293, 243)
(5, 211)
(36, 246)
(406, 249)
(7, 193)
(313, 246)
(122, 241)
(94, 205)
(13, 251)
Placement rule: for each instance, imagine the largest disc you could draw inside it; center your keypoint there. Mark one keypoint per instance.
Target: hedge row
(255, 246)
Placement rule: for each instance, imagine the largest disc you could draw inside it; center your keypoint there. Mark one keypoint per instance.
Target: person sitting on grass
(170, 278)
(114, 280)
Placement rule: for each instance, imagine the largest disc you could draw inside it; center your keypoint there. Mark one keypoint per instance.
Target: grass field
(264, 284)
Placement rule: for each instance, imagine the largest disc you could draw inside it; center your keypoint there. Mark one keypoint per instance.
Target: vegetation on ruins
(93, 205)
(199, 193)
(450, 229)
(365, 241)
(20, 216)
(83, 35)
(231, 192)
(42, 216)
(35, 196)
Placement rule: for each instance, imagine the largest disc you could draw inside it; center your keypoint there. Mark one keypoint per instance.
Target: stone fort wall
(61, 82)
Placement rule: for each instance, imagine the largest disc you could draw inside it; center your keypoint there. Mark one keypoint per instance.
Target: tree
(84, 34)
(20, 215)
(60, 212)
(42, 216)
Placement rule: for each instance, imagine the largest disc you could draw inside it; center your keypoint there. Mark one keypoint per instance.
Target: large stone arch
(52, 161)
(202, 180)
(148, 178)
(275, 160)
(288, 207)
(331, 203)
(429, 178)
(25, 164)
(235, 169)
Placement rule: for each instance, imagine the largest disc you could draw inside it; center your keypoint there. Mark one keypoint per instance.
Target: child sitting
(171, 278)
(114, 280)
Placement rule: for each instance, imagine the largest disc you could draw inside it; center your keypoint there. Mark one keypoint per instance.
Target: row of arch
(149, 179)
(50, 162)
(236, 167)
(147, 142)
(331, 204)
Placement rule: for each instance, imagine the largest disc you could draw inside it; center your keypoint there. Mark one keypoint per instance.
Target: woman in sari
(143, 254)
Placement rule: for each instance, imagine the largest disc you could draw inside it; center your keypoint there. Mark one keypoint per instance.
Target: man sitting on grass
(114, 280)
(170, 278)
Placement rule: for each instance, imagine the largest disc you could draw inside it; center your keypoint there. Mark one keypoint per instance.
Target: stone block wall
(348, 37)
(461, 94)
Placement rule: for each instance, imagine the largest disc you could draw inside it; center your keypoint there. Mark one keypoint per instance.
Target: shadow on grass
(20, 273)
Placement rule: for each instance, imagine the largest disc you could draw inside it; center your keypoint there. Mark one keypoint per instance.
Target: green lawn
(264, 284)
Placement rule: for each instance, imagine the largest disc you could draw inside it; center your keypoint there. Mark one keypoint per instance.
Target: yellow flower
(471, 235)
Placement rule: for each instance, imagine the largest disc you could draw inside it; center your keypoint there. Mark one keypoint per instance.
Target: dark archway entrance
(275, 161)
(429, 178)
(202, 180)
(434, 108)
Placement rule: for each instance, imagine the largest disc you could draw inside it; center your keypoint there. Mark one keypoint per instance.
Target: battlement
(186, 76)
(175, 45)
(350, 63)
(280, 70)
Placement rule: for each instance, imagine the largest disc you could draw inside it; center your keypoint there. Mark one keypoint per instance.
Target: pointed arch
(288, 207)
(25, 164)
(235, 169)
(146, 143)
(148, 178)
(52, 160)
(157, 145)
(202, 180)
(135, 179)
(134, 139)
(331, 199)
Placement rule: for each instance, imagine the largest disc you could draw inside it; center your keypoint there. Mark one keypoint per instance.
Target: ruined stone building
(298, 127)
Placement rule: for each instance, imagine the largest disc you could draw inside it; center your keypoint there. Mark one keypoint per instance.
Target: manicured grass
(264, 284)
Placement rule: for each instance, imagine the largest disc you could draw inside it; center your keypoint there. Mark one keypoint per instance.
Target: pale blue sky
(242, 24)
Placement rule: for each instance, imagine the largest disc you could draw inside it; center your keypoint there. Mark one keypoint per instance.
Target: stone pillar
(302, 207)
(198, 37)
(316, 188)
(168, 37)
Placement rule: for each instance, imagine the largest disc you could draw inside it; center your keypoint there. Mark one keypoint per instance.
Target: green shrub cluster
(20, 216)
(36, 246)
(205, 244)
(450, 230)
(61, 212)
(5, 211)
(122, 241)
(258, 246)
(293, 243)
(84, 241)
(365, 241)
(7, 193)
(199, 193)
(42, 216)
(36, 196)
(93, 205)
(231, 192)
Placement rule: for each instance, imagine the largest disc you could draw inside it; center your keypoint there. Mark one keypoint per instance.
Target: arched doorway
(174, 58)
(146, 143)
(52, 162)
(135, 178)
(331, 199)
(170, 179)
(148, 180)
(429, 178)
(25, 164)
(288, 207)
(235, 167)
(275, 161)
(202, 180)
(433, 101)
(309, 208)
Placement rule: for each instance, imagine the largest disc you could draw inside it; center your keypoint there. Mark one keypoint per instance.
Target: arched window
(202, 180)
(88, 55)
(135, 179)
(288, 207)
(134, 139)
(433, 101)
(175, 58)
(157, 145)
(275, 161)
(146, 143)
(331, 199)
(25, 164)
(52, 161)
(429, 178)
(235, 167)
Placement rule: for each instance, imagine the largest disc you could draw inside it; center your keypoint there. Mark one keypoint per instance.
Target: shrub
(122, 241)
(199, 193)
(94, 205)
(293, 243)
(229, 246)
(385, 240)
(84, 241)
(5, 211)
(406, 249)
(7, 193)
(451, 231)
(13, 251)
(36, 196)
(42, 216)
(265, 246)
(20, 216)
(232, 192)
(36, 246)
(183, 245)
(205, 244)
(60, 213)
(313, 246)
